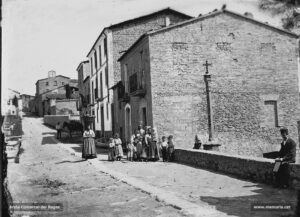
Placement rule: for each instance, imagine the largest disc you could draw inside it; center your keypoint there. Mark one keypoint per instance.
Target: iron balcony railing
(136, 85)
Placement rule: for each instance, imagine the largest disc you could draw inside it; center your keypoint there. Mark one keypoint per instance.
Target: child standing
(170, 148)
(111, 152)
(118, 147)
(134, 141)
(164, 148)
(198, 142)
(130, 151)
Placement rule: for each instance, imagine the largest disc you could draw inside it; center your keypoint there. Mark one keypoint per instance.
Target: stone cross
(207, 79)
(206, 65)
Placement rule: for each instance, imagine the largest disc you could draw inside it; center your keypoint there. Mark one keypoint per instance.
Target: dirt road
(48, 174)
(52, 172)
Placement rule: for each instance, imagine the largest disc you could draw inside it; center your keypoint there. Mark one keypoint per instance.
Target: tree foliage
(288, 9)
(15, 101)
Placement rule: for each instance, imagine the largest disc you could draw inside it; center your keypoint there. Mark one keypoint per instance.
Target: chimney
(51, 74)
(248, 14)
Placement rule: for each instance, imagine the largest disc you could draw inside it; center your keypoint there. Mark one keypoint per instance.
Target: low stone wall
(252, 168)
(74, 117)
(52, 120)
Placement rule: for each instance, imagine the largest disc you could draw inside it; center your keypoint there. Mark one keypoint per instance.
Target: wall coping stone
(248, 158)
(246, 167)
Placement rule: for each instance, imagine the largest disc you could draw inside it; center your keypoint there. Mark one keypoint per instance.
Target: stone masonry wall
(251, 64)
(52, 120)
(256, 169)
(122, 39)
(53, 83)
(125, 36)
(135, 65)
(67, 106)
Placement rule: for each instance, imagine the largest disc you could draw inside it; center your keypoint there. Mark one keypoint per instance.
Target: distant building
(254, 82)
(58, 104)
(11, 103)
(26, 102)
(54, 84)
(84, 72)
(105, 70)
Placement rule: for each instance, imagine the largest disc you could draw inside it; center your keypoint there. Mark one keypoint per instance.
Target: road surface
(51, 171)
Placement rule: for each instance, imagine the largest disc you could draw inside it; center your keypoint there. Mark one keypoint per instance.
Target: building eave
(81, 63)
(274, 28)
(133, 46)
(48, 78)
(87, 77)
(147, 16)
(102, 32)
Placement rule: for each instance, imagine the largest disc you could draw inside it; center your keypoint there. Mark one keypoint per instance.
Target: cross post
(207, 79)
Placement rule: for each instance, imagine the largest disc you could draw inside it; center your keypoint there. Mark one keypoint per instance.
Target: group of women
(143, 146)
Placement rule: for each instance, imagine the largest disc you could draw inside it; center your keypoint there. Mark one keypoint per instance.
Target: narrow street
(48, 174)
(53, 172)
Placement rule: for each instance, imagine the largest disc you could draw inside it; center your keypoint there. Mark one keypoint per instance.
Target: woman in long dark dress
(170, 148)
(89, 148)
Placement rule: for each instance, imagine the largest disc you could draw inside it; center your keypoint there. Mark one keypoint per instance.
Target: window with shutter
(270, 114)
(105, 47)
(100, 56)
(106, 76)
(95, 60)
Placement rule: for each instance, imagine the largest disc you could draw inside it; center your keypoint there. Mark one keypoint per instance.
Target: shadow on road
(77, 149)
(102, 151)
(68, 161)
(30, 115)
(241, 205)
(47, 133)
(48, 140)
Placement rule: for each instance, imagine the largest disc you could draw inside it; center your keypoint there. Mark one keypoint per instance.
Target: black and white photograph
(161, 108)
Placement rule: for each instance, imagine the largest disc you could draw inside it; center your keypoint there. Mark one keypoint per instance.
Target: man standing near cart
(287, 155)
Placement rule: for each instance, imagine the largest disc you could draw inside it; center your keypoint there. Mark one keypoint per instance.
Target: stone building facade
(61, 104)
(105, 70)
(26, 102)
(53, 84)
(254, 82)
(84, 74)
(11, 102)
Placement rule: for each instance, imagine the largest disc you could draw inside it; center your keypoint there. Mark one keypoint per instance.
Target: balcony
(122, 95)
(137, 86)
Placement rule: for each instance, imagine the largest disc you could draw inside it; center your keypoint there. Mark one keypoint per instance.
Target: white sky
(43, 35)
